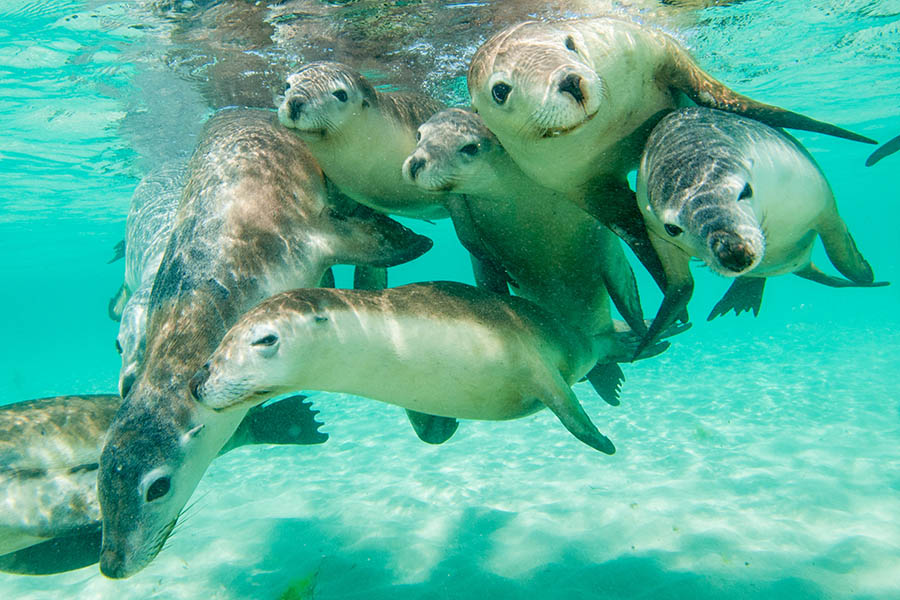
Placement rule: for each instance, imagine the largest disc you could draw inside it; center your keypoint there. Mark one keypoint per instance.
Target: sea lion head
(322, 97)
(452, 153)
(262, 354)
(697, 188)
(536, 80)
(149, 467)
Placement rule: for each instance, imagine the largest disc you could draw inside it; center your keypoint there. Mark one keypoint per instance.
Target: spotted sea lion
(360, 136)
(745, 198)
(554, 254)
(49, 450)
(443, 348)
(254, 220)
(148, 226)
(573, 102)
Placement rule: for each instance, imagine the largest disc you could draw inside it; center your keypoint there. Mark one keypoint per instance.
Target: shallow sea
(757, 458)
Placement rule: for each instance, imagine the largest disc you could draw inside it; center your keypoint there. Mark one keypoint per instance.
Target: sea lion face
(452, 153)
(258, 358)
(322, 97)
(696, 189)
(143, 484)
(536, 80)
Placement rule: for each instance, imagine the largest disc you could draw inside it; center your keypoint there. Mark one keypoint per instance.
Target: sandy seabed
(760, 469)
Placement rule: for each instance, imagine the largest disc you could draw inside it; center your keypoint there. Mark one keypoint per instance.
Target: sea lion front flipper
(56, 555)
(683, 74)
(369, 278)
(744, 295)
(363, 236)
(432, 429)
(622, 287)
(614, 204)
(887, 149)
(607, 380)
(813, 273)
(117, 303)
(560, 398)
(288, 421)
(842, 250)
(118, 252)
(678, 291)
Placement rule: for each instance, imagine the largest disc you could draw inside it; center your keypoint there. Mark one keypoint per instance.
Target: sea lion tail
(683, 74)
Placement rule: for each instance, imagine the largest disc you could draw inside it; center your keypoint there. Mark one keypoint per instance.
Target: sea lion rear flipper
(367, 237)
(116, 304)
(842, 250)
(886, 150)
(813, 273)
(683, 74)
(560, 398)
(607, 379)
(677, 293)
(288, 421)
(744, 295)
(432, 429)
(118, 252)
(369, 278)
(56, 555)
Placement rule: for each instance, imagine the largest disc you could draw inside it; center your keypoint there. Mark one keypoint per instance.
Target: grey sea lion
(360, 136)
(148, 226)
(745, 198)
(254, 220)
(554, 254)
(442, 348)
(49, 450)
(883, 151)
(573, 102)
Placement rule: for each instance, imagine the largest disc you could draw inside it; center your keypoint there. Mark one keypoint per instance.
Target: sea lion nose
(112, 564)
(571, 84)
(415, 165)
(295, 107)
(731, 250)
(197, 380)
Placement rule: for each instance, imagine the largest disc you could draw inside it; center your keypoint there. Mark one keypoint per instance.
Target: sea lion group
(228, 300)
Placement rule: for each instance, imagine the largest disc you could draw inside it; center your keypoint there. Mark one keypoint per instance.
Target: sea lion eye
(285, 88)
(340, 95)
(418, 136)
(673, 230)
(500, 92)
(570, 43)
(747, 192)
(268, 340)
(469, 149)
(159, 488)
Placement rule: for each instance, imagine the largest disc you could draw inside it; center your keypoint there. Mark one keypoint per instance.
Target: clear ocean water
(758, 458)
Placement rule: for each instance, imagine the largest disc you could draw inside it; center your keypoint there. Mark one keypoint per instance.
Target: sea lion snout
(295, 107)
(112, 563)
(731, 251)
(571, 84)
(197, 380)
(413, 165)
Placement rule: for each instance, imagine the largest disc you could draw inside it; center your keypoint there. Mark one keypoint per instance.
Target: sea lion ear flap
(367, 237)
(682, 73)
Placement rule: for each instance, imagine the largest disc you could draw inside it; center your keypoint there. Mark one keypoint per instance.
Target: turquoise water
(757, 458)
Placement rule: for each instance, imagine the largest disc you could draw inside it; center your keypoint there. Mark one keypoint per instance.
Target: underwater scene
(339, 256)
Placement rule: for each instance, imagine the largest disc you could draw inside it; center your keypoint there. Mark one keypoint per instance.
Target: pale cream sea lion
(442, 348)
(360, 136)
(550, 251)
(49, 450)
(746, 199)
(573, 102)
(254, 220)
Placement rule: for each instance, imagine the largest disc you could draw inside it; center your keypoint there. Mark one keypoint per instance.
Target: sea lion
(745, 198)
(49, 448)
(883, 151)
(254, 220)
(573, 102)
(554, 254)
(360, 136)
(148, 226)
(443, 348)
